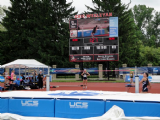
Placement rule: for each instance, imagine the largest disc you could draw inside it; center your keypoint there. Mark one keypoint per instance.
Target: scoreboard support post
(108, 69)
(81, 69)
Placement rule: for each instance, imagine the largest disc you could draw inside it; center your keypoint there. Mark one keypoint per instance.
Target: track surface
(155, 87)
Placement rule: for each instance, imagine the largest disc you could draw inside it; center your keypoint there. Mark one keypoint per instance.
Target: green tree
(53, 32)
(128, 47)
(150, 55)
(147, 20)
(142, 16)
(37, 30)
(154, 30)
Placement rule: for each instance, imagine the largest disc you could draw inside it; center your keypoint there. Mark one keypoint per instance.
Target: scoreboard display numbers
(94, 49)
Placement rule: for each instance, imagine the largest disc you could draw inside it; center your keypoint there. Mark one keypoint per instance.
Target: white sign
(29, 103)
(78, 104)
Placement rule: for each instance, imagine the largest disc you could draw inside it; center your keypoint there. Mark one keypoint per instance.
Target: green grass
(73, 76)
(98, 81)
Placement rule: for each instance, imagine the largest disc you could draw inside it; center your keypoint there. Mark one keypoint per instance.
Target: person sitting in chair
(23, 78)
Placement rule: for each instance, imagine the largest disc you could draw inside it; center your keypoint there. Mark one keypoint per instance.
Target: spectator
(23, 78)
(44, 82)
(40, 78)
(34, 76)
(13, 77)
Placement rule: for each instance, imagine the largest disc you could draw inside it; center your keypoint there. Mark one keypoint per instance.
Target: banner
(127, 79)
(126, 70)
(1, 71)
(2, 79)
(72, 70)
(113, 28)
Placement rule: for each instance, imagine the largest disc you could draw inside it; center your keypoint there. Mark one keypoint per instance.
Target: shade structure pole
(48, 82)
(28, 73)
(34, 78)
(25, 72)
(19, 72)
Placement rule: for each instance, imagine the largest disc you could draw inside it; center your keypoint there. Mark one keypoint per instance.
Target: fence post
(100, 73)
(136, 80)
(124, 75)
(77, 75)
(54, 76)
(149, 74)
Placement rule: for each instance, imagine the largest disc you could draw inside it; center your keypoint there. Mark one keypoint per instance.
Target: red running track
(120, 87)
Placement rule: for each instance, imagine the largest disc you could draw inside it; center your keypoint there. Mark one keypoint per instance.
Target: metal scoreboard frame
(85, 44)
(94, 39)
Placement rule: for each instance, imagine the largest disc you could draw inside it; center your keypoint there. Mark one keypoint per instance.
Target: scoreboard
(94, 39)
(93, 49)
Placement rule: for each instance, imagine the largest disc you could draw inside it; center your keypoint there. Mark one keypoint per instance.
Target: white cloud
(5, 3)
(80, 4)
(149, 3)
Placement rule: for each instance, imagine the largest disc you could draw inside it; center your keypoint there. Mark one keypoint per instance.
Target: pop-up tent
(25, 63)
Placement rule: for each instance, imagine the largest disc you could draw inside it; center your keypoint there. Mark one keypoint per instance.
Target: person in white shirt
(85, 74)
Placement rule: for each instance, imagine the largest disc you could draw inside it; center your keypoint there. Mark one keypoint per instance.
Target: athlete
(131, 77)
(85, 74)
(145, 83)
(94, 31)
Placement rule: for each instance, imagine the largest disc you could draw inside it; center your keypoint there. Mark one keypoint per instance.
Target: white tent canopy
(25, 63)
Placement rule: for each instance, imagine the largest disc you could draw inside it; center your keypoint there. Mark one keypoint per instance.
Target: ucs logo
(78, 104)
(29, 103)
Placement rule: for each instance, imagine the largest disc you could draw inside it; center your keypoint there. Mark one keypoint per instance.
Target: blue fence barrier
(79, 108)
(2, 79)
(127, 79)
(32, 107)
(137, 109)
(72, 70)
(1, 71)
(73, 108)
(141, 70)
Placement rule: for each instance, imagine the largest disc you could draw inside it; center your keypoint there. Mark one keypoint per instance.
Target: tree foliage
(147, 20)
(128, 48)
(37, 30)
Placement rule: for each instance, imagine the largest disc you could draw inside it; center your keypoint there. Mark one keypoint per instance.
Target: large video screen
(92, 27)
